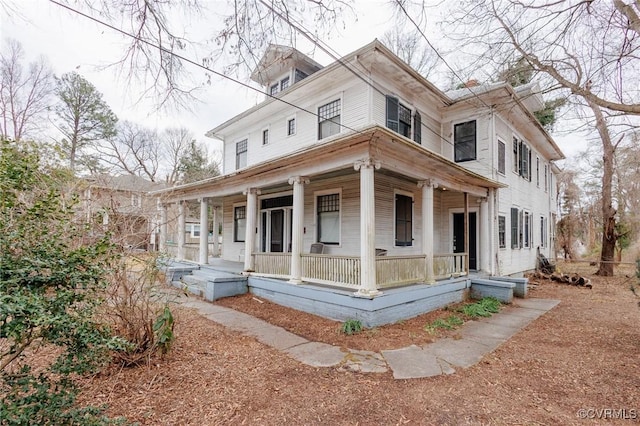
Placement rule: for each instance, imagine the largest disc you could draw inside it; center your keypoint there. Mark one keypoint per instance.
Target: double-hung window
(527, 229)
(502, 231)
(404, 218)
(501, 157)
(328, 219)
(329, 119)
(515, 235)
(399, 119)
(464, 141)
(284, 83)
(241, 154)
(239, 223)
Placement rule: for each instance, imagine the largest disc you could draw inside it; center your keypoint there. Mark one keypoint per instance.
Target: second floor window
(464, 141)
(291, 126)
(329, 119)
(241, 154)
(265, 136)
(274, 89)
(501, 157)
(399, 119)
(284, 83)
(502, 231)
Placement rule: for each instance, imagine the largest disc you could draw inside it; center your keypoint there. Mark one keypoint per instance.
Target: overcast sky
(73, 43)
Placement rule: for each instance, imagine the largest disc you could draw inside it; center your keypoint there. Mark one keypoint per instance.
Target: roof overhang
(394, 152)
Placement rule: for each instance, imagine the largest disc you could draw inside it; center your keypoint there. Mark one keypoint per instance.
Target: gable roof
(277, 59)
(124, 183)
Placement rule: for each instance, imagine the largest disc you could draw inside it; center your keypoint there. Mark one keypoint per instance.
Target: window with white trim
(404, 220)
(527, 229)
(501, 157)
(464, 141)
(546, 178)
(543, 232)
(284, 83)
(275, 88)
(239, 223)
(265, 137)
(241, 154)
(515, 235)
(329, 119)
(400, 118)
(328, 218)
(502, 231)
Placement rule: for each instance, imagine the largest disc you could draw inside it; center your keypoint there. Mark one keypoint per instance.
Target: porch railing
(273, 264)
(448, 265)
(341, 271)
(399, 270)
(344, 271)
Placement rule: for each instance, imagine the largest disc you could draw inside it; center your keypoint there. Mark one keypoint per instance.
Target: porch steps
(484, 287)
(211, 284)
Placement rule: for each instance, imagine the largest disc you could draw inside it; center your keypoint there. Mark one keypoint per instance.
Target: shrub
(50, 287)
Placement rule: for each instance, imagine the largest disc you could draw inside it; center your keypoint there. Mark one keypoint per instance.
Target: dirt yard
(583, 355)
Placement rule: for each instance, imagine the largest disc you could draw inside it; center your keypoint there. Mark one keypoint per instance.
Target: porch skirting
(392, 305)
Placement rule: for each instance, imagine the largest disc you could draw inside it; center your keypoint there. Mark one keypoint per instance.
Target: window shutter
(417, 127)
(520, 162)
(514, 228)
(392, 113)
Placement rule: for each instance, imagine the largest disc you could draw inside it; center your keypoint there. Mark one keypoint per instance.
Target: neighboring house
(122, 206)
(391, 180)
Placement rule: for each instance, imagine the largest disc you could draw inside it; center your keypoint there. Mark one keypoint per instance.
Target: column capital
(248, 191)
(203, 199)
(299, 179)
(367, 164)
(427, 183)
(482, 200)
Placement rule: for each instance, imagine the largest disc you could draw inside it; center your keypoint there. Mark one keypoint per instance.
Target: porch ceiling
(395, 153)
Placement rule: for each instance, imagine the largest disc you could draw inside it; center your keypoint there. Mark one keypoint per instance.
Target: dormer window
(300, 75)
(274, 89)
(284, 83)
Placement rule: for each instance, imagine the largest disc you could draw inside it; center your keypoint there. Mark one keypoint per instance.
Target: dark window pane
(465, 141)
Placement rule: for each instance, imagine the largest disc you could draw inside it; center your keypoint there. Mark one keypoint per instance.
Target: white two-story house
(363, 176)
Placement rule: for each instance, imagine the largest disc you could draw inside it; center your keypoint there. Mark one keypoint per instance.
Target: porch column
(181, 226)
(162, 243)
(427, 227)
(368, 285)
(492, 231)
(215, 252)
(297, 226)
(250, 232)
(485, 247)
(204, 232)
(466, 230)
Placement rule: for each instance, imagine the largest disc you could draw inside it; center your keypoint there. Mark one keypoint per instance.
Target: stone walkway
(441, 357)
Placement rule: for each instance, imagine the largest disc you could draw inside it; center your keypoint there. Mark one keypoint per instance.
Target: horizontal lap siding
(231, 250)
(354, 113)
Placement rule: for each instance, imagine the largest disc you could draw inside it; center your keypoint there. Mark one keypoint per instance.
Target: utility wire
(190, 61)
(415, 24)
(335, 55)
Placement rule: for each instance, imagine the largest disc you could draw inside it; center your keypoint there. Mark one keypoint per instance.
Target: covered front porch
(343, 196)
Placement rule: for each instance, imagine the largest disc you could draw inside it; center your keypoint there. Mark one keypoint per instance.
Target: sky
(73, 43)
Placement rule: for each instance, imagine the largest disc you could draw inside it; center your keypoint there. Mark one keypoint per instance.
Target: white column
(427, 227)
(297, 226)
(485, 248)
(250, 235)
(492, 231)
(368, 287)
(181, 226)
(204, 232)
(216, 250)
(162, 243)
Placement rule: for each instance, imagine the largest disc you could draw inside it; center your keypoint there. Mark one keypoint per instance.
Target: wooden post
(297, 226)
(250, 233)
(204, 232)
(368, 287)
(427, 228)
(181, 230)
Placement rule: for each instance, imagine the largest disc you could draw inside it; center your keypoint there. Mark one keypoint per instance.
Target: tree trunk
(608, 212)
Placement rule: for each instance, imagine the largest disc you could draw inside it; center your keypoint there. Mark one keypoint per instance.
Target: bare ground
(584, 354)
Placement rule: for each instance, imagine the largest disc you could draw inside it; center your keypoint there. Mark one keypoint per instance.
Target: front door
(276, 236)
(458, 237)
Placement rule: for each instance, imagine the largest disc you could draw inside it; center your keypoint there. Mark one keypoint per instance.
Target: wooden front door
(458, 237)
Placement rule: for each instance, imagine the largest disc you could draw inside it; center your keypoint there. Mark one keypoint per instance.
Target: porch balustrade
(273, 264)
(344, 271)
(399, 270)
(449, 265)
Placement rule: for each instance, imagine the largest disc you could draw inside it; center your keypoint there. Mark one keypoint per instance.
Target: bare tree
(24, 94)
(411, 48)
(134, 150)
(175, 142)
(157, 48)
(587, 50)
